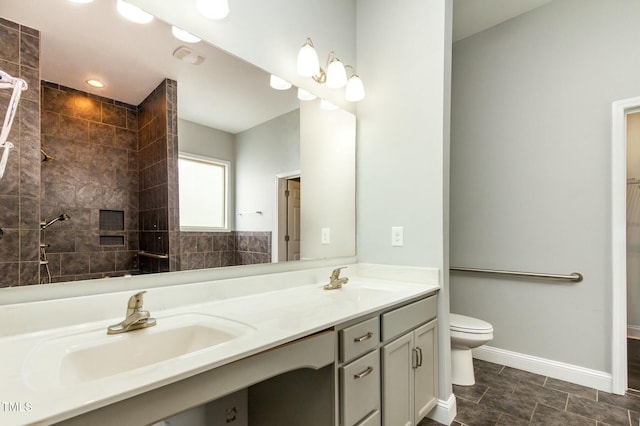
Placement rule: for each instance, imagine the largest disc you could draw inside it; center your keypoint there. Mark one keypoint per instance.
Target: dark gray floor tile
(523, 376)
(547, 396)
(598, 410)
(509, 420)
(486, 365)
(517, 405)
(561, 385)
(494, 380)
(630, 402)
(635, 417)
(548, 416)
(429, 422)
(472, 393)
(472, 414)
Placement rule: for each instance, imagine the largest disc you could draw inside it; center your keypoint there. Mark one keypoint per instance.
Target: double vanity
(362, 354)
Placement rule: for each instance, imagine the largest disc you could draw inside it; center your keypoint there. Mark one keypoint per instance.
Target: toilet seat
(465, 324)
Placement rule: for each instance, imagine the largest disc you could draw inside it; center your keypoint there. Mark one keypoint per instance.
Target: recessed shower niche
(112, 228)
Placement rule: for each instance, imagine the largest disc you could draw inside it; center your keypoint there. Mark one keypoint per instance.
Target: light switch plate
(325, 237)
(397, 236)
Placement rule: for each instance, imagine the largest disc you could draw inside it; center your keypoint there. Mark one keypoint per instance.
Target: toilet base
(462, 367)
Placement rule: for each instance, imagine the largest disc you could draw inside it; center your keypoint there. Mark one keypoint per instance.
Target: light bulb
(213, 9)
(95, 83)
(183, 35)
(355, 89)
(308, 63)
(133, 13)
(279, 83)
(303, 95)
(336, 74)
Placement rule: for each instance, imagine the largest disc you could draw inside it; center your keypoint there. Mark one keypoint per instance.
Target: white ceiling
(81, 41)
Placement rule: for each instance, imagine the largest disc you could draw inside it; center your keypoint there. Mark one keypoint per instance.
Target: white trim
(546, 367)
(445, 411)
(619, 111)
(633, 332)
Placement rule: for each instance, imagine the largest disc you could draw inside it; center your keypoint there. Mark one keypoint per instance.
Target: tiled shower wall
(20, 185)
(157, 164)
(94, 143)
(214, 249)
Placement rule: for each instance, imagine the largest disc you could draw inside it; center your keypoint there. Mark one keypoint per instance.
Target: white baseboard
(558, 370)
(633, 331)
(445, 411)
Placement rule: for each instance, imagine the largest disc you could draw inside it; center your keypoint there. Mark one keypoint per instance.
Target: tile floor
(506, 396)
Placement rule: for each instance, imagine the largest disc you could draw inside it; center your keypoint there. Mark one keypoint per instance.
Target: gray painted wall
(530, 173)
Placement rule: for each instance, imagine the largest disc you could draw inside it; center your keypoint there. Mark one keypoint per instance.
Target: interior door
(292, 237)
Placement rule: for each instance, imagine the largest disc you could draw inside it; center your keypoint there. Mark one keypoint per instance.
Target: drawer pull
(365, 373)
(419, 349)
(367, 336)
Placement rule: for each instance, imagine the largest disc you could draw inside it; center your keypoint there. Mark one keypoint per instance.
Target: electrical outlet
(397, 236)
(325, 236)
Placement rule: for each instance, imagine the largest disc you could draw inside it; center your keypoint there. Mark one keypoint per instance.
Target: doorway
(287, 243)
(621, 111)
(633, 249)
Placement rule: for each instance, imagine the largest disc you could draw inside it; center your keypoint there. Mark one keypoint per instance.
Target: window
(204, 193)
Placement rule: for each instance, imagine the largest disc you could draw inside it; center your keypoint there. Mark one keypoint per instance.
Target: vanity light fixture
(213, 9)
(95, 83)
(303, 95)
(334, 74)
(183, 35)
(133, 13)
(279, 83)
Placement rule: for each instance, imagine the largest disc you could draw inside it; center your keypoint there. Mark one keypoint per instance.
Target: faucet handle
(335, 275)
(135, 303)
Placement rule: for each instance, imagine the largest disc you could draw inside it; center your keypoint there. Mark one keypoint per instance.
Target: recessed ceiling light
(133, 13)
(183, 35)
(213, 9)
(95, 83)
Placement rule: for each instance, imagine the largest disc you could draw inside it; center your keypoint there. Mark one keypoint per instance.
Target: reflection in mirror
(93, 189)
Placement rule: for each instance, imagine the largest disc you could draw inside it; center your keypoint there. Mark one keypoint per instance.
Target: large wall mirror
(98, 193)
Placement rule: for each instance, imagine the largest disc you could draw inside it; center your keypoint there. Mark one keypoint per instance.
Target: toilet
(466, 333)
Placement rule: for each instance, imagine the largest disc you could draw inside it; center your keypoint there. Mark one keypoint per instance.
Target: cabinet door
(426, 373)
(398, 382)
(360, 388)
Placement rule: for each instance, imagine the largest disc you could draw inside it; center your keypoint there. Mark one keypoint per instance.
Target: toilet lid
(468, 324)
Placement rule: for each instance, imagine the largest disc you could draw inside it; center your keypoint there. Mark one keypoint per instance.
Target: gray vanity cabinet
(409, 363)
(388, 366)
(410, 376)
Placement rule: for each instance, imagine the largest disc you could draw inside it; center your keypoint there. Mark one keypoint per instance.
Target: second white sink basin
(91, 355)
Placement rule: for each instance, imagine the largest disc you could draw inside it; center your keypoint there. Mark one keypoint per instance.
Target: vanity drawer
(360, 389)
(408, 317)
(359, 338)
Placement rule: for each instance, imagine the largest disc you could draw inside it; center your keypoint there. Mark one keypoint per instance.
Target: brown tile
(630, 402)
(102, 262)
(74, 264)
(516, 404)
(509, 420)
(114, 115)
(486, 365)
(563, 386)
(29, 51)
(9, 274)
(58, 101)
(9, 44)
(470, 413)
(548, 416)
(600, 411)
(494, 380)
(551, 397)
(74, 128)
(29, 274)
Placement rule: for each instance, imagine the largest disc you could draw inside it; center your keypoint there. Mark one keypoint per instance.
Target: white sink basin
(359, 292)
(85, 356)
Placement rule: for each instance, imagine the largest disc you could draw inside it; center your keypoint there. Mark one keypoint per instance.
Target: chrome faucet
(136, 318)
(335, 281)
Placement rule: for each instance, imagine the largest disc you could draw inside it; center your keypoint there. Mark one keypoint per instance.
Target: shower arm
(18, 85)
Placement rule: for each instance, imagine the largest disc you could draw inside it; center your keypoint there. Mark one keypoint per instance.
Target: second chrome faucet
(135, 319)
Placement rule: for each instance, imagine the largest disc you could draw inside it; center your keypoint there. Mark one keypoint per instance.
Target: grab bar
(153, 255)
(574, 277)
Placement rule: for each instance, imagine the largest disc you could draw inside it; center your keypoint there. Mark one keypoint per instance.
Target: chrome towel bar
(574, 277)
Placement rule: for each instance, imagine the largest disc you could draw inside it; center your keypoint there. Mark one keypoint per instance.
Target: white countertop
(274, 317)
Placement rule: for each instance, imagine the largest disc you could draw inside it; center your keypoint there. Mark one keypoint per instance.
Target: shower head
(44, 224)
(46, 157)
